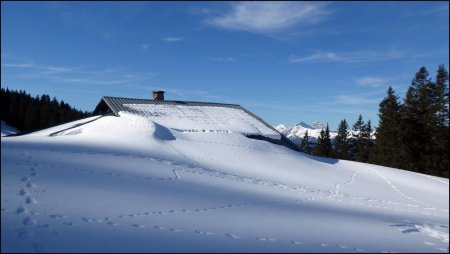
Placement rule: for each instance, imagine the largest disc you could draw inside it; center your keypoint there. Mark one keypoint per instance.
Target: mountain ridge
(296, 132)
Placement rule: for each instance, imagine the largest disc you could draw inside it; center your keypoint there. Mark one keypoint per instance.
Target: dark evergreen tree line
(413, 135)
(349, 145)
(27, 113)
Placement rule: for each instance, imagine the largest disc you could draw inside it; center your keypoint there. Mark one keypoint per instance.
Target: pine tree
(318, 149)
(439, 160)
(327, 143)
(442, 97)
(305, 145)
(356, 140)
(417, 121)
(366, 142)
(388, 142)
(323, 146)
(341, 144)
(357, 128)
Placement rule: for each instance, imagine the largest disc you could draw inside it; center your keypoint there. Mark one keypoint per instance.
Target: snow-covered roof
(116, 104)
(188, 116)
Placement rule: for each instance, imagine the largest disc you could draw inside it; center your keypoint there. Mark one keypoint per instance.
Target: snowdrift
(136, 184)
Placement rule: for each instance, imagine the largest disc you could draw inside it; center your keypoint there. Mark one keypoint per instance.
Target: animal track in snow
(30, 200)
(138, 226)
(87, 219)
(265, 239)
(57, 216)
(113, 223)
(29, 221)
(203, 232)
(296, 242)
(23, 192)
(21, 209)
(30, 185)
(232, 236)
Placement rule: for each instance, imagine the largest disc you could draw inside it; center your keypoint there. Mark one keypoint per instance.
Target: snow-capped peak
(304, 125)
(281, 127)
(317, 125)
(296, 132)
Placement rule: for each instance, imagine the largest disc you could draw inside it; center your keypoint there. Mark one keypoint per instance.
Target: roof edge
(173, 101)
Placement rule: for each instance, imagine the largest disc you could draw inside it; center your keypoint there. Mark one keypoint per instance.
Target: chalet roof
(116, 104)
(109, 104)
(207, 112)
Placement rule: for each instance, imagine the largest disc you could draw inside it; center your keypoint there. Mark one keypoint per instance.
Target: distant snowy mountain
(182, 183)
(8, 130)
(296, 132)
(317, 125)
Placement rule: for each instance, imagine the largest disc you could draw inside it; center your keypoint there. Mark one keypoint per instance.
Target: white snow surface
(203, 119)
(133, 184)
(7, 129)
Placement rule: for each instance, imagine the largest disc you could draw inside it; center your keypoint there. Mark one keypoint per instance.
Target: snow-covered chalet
(189, 116)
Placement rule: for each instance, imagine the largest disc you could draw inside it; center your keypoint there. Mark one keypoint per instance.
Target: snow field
(131, 184)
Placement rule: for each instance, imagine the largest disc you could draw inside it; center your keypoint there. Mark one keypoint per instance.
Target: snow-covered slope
(296, 132)
(133, 184)
(8, 130)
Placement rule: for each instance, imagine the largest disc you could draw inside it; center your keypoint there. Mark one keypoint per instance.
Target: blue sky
(285, 61)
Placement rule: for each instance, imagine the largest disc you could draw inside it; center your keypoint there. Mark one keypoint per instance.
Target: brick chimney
(158, 95)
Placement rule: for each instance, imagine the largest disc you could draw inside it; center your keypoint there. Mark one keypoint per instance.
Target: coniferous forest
(413, 133)
(28, 113)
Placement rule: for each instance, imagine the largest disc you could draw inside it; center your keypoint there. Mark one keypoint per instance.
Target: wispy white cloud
(371, 81)
(78, 75)
(223, 59)
(51, 69)
(349, 57)
(172, 39)
(90, 81)
(39, 67)
(145, 46)
(330, 56)
(21, 65)
(268, 17)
